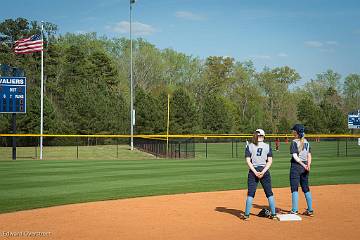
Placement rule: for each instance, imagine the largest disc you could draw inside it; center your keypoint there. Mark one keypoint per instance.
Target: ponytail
(302, 140)
(255, 138)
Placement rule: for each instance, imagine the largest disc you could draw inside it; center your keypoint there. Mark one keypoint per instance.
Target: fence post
(13, 138)
(152, 148)
(35, 151)
(236, 147)
(346, 148)
(155, 147)
(172, 150)
(158, 148)
(206, 149)
(232, 148)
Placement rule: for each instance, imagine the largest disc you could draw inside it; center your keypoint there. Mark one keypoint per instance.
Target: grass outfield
(32, 184)
(108, 152)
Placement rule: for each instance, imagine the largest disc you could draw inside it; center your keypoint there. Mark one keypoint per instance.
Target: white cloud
(138, 28)
(261, 57)
(325, 46)
(189, 16)
(313, 44)
(282, 55)
(321, 45)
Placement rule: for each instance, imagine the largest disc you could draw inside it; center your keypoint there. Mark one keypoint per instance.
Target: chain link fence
(178, 148)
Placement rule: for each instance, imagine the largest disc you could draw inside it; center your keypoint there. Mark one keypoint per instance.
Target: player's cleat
(294, 212)
(274, 217)
(309, 213)
(246, 217)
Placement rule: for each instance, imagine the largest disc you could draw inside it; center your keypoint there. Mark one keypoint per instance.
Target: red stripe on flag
(22, 40)
(28, 51)
(29, 45)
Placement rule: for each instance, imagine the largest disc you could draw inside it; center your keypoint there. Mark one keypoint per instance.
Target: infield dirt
(211, 215)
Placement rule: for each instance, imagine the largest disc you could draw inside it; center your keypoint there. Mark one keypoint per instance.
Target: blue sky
(308, 35)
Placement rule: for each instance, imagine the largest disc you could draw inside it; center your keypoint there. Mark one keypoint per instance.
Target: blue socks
(295, 201)
(272, 204)
(249, 201)
(309, 201)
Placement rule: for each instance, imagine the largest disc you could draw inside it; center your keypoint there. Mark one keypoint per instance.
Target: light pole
(132, 112)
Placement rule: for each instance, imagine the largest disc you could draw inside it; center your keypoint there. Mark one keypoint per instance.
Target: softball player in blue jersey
(259, 159)
(300, 167)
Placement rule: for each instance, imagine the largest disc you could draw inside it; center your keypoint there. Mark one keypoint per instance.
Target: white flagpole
(42, 93)
(132, 114)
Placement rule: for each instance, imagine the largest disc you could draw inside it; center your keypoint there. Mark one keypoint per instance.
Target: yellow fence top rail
(162, 136)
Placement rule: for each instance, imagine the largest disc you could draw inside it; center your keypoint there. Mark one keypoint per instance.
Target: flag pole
(132, 112)
(42, 93)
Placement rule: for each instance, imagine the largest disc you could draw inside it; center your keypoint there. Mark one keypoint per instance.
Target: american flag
(29, 45)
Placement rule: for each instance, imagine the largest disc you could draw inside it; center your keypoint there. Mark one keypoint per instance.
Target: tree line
(87, 89)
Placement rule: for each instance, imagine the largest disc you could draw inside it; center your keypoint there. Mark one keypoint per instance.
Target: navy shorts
(265, 181)
(298, 175)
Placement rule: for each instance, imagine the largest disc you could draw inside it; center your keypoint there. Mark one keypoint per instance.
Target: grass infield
(28, 184)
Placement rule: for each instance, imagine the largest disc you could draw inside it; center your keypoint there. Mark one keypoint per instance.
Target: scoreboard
(12, 94)
(354, 120)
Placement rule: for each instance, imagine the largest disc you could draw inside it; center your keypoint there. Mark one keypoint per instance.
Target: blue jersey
(258, 153)
(302, 153)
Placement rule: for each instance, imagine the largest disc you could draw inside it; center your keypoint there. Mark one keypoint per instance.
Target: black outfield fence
(178, 147)
(174, 148)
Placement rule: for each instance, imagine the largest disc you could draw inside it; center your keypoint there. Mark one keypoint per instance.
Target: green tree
(247, 101)
(275, 84)
(216, 115)
(335, 120)
(311, 115)
(178, 68)
(183, 117)
(352, 92)
(317, 87)
(149, 114)
(217, 75)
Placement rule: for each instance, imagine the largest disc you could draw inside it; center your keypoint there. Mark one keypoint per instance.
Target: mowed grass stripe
(123, 176)
(94, 194)
(115, 166)
(97, 174)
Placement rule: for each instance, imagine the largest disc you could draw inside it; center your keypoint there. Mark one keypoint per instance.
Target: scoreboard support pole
(14, 138)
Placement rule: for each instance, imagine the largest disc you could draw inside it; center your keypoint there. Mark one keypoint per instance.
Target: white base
(289, 217)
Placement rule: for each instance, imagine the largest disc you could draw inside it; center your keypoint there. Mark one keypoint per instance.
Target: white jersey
(258, 153)
(303, 154)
